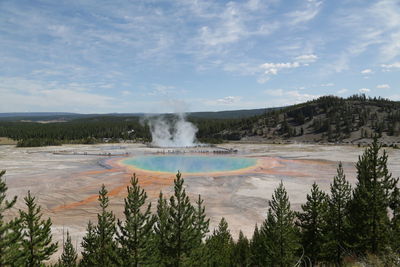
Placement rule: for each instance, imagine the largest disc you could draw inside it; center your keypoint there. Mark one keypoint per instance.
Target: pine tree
(395, 222)
(241, 251)
(337, 228)
(312, 222)
(279, 231)
(36, 233)
(69, 256)
(181, 239)
(100, 248)
(257, 249)
(135, 233)
(219, 246)
(162, 231)
(89, 246)
(105, 231)
(9, 231)
(201, 224)
(369, 220)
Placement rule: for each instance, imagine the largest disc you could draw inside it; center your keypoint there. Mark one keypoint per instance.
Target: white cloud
(290, 97)
(342, 91)
(388, 12)
(308, 13)
(228, 100)
(270, 68)
(383, 86)
(307, 58)
(364, 90)
(20, 94)
(273, 68)
(395, 97)
(395, 65)
(366, 71)
(230, 23)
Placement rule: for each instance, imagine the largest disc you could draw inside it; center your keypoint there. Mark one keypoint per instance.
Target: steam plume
(172, 132)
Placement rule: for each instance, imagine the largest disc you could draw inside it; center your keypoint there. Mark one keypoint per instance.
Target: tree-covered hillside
(327, 119)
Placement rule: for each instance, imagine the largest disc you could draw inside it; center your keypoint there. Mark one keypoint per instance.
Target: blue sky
(190, 55)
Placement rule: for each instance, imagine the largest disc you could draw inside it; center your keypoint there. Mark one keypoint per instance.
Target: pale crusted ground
(66, 184)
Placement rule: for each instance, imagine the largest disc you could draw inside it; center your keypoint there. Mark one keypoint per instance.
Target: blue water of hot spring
(190, 164)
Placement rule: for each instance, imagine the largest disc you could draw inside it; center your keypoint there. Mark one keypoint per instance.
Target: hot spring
(190, 164)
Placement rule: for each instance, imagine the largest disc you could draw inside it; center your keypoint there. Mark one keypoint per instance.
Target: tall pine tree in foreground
(69, 256)
(89, 245)
(37, 245)
(135, 233)
(257, 248)
(9, 231)
(219, 246)
(162, 231)
(201, 224)
(100, 248)
(181, 240)
(105, 231)
(312, 223)
(279, 231)
(241, 251)
(369, 220)
(200, 221)
(337, 227)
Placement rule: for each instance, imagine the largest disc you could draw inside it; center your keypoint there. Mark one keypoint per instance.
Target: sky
(97, 56)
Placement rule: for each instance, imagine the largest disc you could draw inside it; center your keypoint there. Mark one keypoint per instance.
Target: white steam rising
(172, 132)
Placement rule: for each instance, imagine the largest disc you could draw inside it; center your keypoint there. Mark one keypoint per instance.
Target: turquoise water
(190, 164)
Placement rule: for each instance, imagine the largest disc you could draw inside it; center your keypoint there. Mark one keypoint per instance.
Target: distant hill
(66, 116)
(231, 114)
(327, 119)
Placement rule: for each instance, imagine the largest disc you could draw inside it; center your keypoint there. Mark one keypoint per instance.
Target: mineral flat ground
(66, 180)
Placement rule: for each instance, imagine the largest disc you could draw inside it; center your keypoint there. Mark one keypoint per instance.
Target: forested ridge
(342, 227)
(327, 119)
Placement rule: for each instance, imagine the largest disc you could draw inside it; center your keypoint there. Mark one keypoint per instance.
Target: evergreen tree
(395, 222)
(9, 231)
(36, 233)
(219, 246)
(312, 222)
(369, 220)
(162, 231)
(257, 249)
(135, 233)
(89, 246)
(180, 236)
(69, 255)
(241, 251)
(337, 228)
(201, 224)
(279, 231)
(100, 248)
(105, 231)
